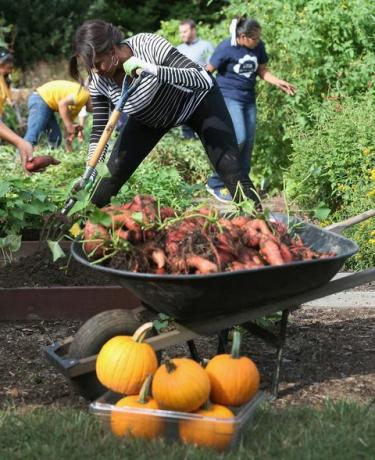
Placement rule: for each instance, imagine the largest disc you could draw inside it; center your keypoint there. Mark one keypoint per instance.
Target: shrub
(333, 165)
(324, 47)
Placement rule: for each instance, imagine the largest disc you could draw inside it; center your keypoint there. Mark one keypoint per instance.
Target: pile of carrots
(142, 237)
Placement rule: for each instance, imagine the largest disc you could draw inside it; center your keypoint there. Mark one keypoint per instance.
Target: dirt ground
(40, 270)
(328, 354)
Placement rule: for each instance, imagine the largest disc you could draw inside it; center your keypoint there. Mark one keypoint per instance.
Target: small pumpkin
(137, 424)
(180, 384)
(209, 433)
(234, 379)
(124, 362)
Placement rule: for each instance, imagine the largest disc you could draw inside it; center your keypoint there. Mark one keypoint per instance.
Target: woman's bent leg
(238, 116)
(215, 128)
(133, 144)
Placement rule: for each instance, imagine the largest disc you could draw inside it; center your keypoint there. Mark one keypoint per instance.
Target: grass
(338, 431)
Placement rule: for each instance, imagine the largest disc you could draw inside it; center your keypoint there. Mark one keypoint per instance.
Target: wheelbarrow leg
(193, 351)
(222, 341)
(279, 353)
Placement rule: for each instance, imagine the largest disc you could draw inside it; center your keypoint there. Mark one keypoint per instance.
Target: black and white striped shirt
(165, 100)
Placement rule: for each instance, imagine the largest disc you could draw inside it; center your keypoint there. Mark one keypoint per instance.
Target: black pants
(213, 124)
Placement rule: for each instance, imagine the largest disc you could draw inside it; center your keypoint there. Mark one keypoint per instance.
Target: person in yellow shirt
(6, 67)
(59, 96)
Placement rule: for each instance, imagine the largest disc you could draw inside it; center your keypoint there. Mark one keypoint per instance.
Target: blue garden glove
(133, 64)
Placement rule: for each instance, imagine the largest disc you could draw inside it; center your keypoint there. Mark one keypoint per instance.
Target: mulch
(329, 354)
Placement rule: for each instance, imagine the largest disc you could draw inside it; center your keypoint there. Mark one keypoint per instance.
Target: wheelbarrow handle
(339, 227)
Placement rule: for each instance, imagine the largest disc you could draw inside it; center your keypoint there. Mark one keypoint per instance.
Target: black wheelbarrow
(212, 303)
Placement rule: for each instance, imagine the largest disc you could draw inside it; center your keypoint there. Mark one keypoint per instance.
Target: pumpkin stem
(236, 345)
(145, 393)
(207, 405)
(140, 334)
(170, 365)
(204, 362)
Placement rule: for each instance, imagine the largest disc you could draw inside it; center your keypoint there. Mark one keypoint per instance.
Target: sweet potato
(196, 241)
(123, 234)
(158, 257)
(201, 264)
(40, 163)
(270, 250)
(95, 236)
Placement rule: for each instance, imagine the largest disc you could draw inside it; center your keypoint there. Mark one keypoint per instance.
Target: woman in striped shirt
(174, 91)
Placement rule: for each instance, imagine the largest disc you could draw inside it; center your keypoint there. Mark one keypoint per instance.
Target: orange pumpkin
(124, 362)
(209, 433)
(234, 379)
(137, 424)
(181, 385)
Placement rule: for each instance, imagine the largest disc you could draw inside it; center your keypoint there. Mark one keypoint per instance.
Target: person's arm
(283, 85)
(210, 68)
(71, 129)
(100, 106)
(168, 65)
(24, 147)
(65, 113)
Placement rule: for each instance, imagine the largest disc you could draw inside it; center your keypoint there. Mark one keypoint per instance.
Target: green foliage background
(324, 47)
(44, 28)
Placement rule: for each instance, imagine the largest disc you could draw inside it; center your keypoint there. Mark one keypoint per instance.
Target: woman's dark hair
(6, 57)
(92, 38)
(247, 26)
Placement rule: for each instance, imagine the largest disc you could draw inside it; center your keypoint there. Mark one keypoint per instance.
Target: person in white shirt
(198, 51)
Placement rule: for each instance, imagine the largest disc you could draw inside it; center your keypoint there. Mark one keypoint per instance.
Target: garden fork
(58, 224)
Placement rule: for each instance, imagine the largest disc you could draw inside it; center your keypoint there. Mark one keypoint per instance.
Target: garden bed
(35, 287)
(328, 355)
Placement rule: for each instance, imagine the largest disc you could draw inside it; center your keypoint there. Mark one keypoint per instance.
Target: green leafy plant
(332, 167)
(324, 47)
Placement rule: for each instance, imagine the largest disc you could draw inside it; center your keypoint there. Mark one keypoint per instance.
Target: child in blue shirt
(238, 61)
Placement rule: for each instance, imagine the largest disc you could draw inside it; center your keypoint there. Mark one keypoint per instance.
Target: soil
(329, 354)
(39, 270)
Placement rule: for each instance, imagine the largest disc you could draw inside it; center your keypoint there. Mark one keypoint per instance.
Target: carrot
(240, 221)
(270, 251)
(166, 212)
(95, 236)
(285, 253)
(260, 226)
(123, 234)
(201, 264)
(234, 266)
(158, 256)
(250, 236)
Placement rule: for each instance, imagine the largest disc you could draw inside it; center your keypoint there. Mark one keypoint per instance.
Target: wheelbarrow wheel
(90, 338)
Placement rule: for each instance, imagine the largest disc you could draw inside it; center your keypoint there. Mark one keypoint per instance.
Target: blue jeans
(41, 119)
(243, 115)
